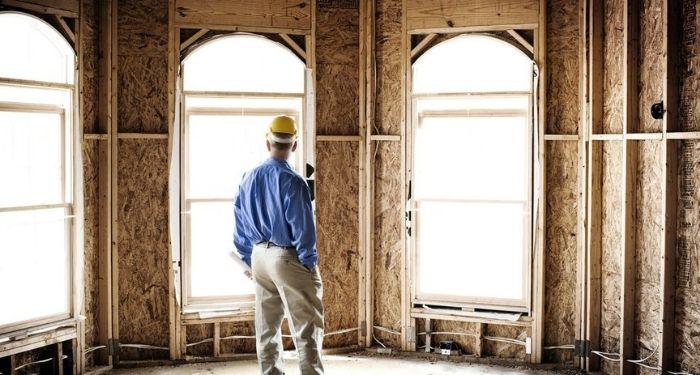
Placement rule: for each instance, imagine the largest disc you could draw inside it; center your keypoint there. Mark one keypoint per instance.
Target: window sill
(471, 317)
(204, 314)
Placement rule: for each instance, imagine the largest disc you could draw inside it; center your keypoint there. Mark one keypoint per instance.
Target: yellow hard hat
(283, 124)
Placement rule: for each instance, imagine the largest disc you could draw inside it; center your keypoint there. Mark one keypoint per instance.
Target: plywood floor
(350, 364)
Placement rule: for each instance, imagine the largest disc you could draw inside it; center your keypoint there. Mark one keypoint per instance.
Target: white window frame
(511, 305)
(71, 168)
(305, 149)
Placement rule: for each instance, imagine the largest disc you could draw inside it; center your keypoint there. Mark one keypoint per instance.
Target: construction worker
(276, 236)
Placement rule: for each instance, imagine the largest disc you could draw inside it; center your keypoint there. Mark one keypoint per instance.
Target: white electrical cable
(143, 346)
(449, 333)
(34, 363)
(377, 340)
(92, 349)
(639, 361)
(387, 330)
(505, 340)
(679, 373)
(200, 342)
(341, 331)
(605, 355)
(559, 347)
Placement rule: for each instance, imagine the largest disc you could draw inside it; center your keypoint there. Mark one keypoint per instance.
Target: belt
(269, 244)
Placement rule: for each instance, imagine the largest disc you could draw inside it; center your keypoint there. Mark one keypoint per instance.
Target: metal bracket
(411, 334)
(582, 348)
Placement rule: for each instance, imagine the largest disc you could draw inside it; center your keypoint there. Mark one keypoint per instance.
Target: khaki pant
(282, 284)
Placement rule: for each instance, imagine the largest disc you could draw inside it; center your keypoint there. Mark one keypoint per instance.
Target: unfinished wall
(651, 62)
(337, 174)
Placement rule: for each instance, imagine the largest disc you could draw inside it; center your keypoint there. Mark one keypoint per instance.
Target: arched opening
(232, 86)
(37, 200)
(472, 156)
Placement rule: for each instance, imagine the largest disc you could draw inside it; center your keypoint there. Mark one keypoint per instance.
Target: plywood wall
(337, 173)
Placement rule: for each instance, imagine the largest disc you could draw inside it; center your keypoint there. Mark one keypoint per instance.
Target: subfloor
(346, 364)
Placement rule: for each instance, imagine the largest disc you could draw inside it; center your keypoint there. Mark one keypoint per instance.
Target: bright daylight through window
(36, 158)
(232, 87)
(472, 163)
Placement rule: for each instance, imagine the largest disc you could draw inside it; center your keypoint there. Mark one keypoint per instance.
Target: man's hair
(281, 146)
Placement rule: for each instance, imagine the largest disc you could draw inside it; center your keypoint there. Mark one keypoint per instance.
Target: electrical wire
(92, 349)
(559, 347)
(377, 340)
(505, 340)
(387, 330)
(679, 373)
(605, 355)
(143, 346)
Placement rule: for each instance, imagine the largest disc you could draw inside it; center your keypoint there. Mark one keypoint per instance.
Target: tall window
(36, 174)
(233, 86)
(472, 162)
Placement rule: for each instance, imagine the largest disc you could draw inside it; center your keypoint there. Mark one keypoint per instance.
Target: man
(275, 235)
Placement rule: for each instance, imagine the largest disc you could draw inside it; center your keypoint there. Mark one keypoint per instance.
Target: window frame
(71, 189)
(523, 305)
(191, 304)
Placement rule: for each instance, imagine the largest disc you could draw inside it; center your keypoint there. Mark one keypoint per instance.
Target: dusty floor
(350, 364)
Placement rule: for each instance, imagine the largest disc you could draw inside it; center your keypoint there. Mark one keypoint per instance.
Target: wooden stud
(293, 45)
(363, 293)
(480, 342)
(428, 335)
(338, 138)
(595, 181)
(66, 29)
(142, 136)
(561, 137)
(183, 46)
(423, 44)
(217, 339)
(388, 138)
(519, 38)
(78, 232)
(629, 181)
(58, 359)
(113, 131)
(671, 122)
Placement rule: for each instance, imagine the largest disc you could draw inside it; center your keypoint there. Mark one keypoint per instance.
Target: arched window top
(472, 63)
(243, 63)
(33, 50)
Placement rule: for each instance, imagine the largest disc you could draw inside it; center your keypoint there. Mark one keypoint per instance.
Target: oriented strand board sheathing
(143, 245)
(613, 58)
(505, 350)
(690, 84)
(687, 334)
(199, 332)
(91, 249)
(337, 71)
(611, 247)
(88, 72)
(143, 94)
(560, 259)
(651, 62)
(648, 248)
(563, 62)
(143, 27)
(388, 224)
(388, 65)
(468, 344)
(337, 221)
(237, 345)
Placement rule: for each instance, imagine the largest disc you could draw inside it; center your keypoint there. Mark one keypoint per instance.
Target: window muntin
(224, 128)
(36, 161)
(471, 173)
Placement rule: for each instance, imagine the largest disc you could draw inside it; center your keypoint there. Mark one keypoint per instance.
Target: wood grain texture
(91, 249)
(143, 27)
(429, 14)
(612, 67)
(143, 100)
(388, 52)
(651, 62)
(294, 14)
(337, 217)
(143, 246)
(505, 350)
(560, 258)
(563, 62)
(61, 7)
(89, 70)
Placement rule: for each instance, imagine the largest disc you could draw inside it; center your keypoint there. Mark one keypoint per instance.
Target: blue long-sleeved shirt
(274, 204)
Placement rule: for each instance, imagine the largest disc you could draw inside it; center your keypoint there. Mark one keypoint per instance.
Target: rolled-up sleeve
(299, 214)
(241, 239)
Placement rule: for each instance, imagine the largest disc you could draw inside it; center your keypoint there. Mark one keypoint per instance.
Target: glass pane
(30, 158)
(243, 63)
(214, 272)
(32, 95)
(484, 158)
(249, 103)
(221, 149)
(476, 103)
(471, 249)
(34, 265)
(472, 63)
(31, 49)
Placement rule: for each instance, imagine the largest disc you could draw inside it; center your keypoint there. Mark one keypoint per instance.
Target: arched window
(37, 143)
(232, 86)
(471, 173)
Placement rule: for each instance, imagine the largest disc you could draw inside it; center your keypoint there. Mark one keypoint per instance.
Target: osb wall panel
(142, 28)
(505, 350)
(196, 333)
(337, 71)
(648, 249)
(91, 249)
(389, 75)
(690, 84)
(611, 248)
(563, 62)
(143, 245)
(337, 181)
(687, 335)
(294, 14)
(651, 62)
(426, 14)
(560, 252)
(88, 72)
(613, 59)
(468, 344)
(238, 345)
(388, 224)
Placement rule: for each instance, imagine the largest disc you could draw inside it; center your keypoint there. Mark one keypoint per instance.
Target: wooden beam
(293, 45)
(217, 339)
(338, 138)
(270, 14)
(63, 8)
(12, 347)
(142, 136)
(561, 137)
(114, 157)
(387, 138)
(428, 335)
(422, 45)
(474, 13)
(192, 39)
(629, 182)
(66, 29)
(519, 38)
(671, 122)
(596, 14)
(683, 135)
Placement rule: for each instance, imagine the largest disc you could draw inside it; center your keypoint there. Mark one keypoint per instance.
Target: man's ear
(269, 147)
(294, 146)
